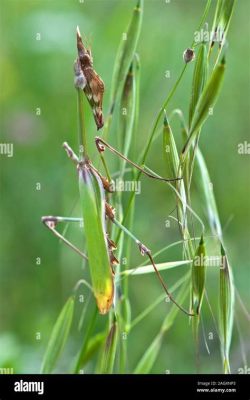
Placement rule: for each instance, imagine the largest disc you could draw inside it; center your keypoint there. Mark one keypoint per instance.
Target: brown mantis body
(94, 86)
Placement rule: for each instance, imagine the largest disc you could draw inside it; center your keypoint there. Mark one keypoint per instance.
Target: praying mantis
(93, 189)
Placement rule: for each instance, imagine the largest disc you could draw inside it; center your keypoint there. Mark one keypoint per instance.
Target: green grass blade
(226, 309)
(126, 53)
(147, 269)
(127, 120)
(203, 181)
(93, 211)
(58, 337)
(207, 101)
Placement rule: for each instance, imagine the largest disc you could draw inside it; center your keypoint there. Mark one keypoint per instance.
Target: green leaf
(126, 52)
(58, 337)
(93, 211)
(147, 269)
(226, 309)
(206, 102)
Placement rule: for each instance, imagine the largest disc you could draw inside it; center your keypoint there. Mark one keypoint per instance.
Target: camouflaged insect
(93, 86)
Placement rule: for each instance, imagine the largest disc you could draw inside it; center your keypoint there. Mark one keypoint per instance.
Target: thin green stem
(83, 154)
(105, 167)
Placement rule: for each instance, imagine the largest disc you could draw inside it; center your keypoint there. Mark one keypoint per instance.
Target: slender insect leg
(101, 144)
(146, 251)
(70, 153)
(50, 222)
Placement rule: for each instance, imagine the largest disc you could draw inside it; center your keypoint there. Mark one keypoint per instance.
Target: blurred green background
(39, 74)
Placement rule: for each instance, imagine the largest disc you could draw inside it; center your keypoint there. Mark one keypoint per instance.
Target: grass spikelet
(198, 277)
(206, 102)
(172, 168)
(199, 79)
